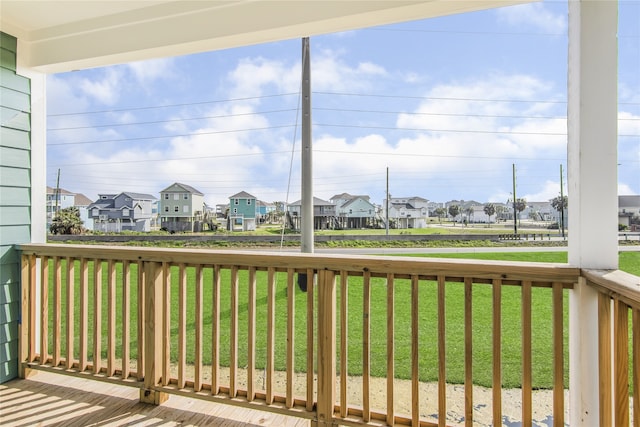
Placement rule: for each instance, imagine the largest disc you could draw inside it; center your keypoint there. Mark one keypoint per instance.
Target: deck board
(48, 399)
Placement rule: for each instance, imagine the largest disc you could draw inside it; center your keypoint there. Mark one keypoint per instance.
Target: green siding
(15, 198)
(14, 157)
(14, 138)
(15, 177)
(14, 119)
(14, 99)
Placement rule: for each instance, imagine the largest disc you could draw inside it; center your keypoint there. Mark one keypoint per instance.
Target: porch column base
(153, 397)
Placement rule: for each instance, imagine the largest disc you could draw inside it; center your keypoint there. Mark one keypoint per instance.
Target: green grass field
(482, 356)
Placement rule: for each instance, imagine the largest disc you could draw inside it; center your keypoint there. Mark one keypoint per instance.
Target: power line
(173, 120)
(142, 138)
(186, 104)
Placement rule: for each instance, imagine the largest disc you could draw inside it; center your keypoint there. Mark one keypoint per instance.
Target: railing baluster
(111, 317)
(24, 326)
(415, 368)
(251, 336)
(442, 356)
(527, 408)
(32, 307)
(84, 314)
(310, 339)
(166, 323)
(215, 332)
(636, 366)
(271, 324)
(390, 349)
(344, 342)
(57, 311)
(497, 352)
(291, 291)
(558, 354)
(621, 355)
(197, 381)
(468, 352)
(126, 322)
(604, 358)
(44, 310)
(182, 325)
(141, 320)
(97, 315)
(70, 283)
(233, 335)
(366, 346)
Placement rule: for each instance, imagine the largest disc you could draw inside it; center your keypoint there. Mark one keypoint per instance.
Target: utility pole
(561, 203)
(306, 210)
(387, 205)
(515, 221)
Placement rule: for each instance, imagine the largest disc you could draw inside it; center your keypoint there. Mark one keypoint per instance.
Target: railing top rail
(615, 283)
(480, 269)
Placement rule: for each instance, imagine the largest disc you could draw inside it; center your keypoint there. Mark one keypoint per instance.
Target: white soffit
(58, 36)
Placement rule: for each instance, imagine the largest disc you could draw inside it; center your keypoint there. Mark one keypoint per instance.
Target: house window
(166, 196)
(125, 212)
(185, 209)
(95, 212)
(236, 201)
(248, 201)
(175, 209)
(185, 196)
(176, 196)
(166, 208)
(235, 210)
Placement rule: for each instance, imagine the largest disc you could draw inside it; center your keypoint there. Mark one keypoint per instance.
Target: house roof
(242, 195)
(354, 200)
(63, 35)
(51, 190)
(82, 200)
(186, 188)
(316, 202)
(139, 196)
(629, 201)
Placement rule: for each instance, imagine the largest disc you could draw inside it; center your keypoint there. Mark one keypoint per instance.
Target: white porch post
(592, 185)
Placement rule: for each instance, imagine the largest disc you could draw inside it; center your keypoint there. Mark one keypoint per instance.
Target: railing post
(153, 328)
(326, 348)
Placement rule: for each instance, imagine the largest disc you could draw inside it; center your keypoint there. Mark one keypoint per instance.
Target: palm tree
(489, 209)
(454, 210)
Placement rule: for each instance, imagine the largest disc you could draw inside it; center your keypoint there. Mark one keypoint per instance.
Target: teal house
(243, 212)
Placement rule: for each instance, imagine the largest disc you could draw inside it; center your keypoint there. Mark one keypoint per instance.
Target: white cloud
(625, 190)
(550, 190)
(151, 70)
(105, 90)
(533, 15)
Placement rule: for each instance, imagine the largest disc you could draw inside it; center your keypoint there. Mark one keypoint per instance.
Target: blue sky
(448, 105)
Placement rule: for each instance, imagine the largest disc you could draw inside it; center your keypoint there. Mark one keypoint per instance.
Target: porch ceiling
(58, 36)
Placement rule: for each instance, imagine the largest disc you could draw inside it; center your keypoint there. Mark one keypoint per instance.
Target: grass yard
(482, 300)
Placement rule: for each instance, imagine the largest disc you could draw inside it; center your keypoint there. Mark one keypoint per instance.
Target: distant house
(58, 199)
(324, 214)
(628, 209)
(408, 212)
(126, 211)
(181, 208)
(243, 212)
(354, 211)
(264, 210)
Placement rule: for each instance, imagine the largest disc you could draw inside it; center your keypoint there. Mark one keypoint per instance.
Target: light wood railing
(618, 345)
(234, 327)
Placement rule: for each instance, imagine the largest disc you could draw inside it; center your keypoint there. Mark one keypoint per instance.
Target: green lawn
(482, 359)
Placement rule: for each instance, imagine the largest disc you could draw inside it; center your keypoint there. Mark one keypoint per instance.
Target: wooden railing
(234, 327)
(618, 336)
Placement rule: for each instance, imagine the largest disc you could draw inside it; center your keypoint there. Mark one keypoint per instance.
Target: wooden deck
(48, 399)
